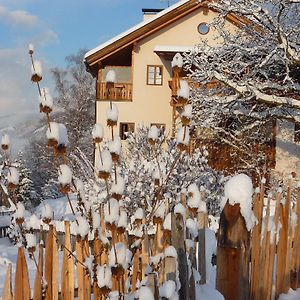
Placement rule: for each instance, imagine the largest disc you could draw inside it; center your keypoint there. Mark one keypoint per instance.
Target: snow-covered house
(141, 59)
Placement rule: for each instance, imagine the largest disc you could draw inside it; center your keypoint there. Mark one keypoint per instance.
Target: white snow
(5, 140)
(123, 256)
(239, 189)
(115, 145)
(207, 292)
(31, 48)
(123, 221)
(34, 222)
(177, 61)
(30, 239)
(13, 175)
(167, 222)
(63, 135)
(194, 196)
(153, 133)
(107, 162)
(112, 112)
(171, 252)
(20, 211)
(187, 111)
(192, 227)
(37, 68)
(111, 76)
(83, 227)
(119, 187)
(47, 212)
(291, 295)
(160, 210)
(138, 215)
(46, 98)
(104, 276)
(145, 293)
(183, 136)
(79, 185)
(155, 260)
(98, 131)
(168, 289)
(111, 211)
(96, 219)
(57, 132)
(180, 209)
(65, 175)
(184, 90)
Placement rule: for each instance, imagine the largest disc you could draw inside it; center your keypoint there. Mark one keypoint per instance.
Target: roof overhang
(124, 43)
(140, 31)
(168, 51)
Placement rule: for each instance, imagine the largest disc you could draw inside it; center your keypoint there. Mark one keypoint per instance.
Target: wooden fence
(246, 262)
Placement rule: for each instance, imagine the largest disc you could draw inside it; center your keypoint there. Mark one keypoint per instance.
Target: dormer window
(154, 75)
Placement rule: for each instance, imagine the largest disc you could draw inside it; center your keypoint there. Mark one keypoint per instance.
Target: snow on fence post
(233, 254)
(22, 288)
(233, 251)
(178, 239)
(7, 288)
(67, 275)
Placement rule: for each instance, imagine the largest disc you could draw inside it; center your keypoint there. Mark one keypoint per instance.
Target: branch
(260, 96)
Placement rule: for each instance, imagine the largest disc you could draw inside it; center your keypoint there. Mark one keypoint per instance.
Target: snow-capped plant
(5, 141)
(142, 160)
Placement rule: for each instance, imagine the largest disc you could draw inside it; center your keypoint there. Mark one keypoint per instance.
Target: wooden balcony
(119, 92)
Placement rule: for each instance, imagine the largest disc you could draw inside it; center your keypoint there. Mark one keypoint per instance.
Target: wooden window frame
(155, 79)
(122, 134)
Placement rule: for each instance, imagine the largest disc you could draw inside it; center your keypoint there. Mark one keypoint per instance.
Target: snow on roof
(172, 48)
(136, 27)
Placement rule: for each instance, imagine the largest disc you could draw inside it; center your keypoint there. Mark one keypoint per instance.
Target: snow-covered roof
(172, 48)
(136, 27)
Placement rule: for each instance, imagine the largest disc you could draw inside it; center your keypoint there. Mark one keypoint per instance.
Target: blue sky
(57, 29)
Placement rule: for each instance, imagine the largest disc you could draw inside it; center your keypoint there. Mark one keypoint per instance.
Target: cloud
(17, 18)
(18, 96)
(44, 38)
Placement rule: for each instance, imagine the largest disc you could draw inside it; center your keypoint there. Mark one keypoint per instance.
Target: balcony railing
(119, 91)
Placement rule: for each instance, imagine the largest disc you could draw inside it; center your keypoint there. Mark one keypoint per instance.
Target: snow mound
(239, 190)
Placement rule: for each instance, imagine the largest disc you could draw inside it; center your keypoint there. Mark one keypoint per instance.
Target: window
(125, 128)
(160, 126)
(203, 28)
(154, 75)
(297, 133)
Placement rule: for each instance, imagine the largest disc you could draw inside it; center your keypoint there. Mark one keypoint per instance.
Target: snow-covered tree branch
(251, 78)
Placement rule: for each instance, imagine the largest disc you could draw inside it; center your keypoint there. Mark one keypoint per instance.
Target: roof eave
(145, 30)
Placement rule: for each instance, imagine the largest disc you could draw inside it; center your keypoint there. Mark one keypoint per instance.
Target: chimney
(150, 12)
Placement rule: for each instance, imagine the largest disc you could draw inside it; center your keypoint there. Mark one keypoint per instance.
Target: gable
(126, 40)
